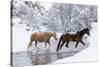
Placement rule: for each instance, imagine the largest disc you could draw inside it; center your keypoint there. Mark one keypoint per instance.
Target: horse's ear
(87, 28)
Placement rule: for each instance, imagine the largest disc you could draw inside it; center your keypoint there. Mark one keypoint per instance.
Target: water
(39, 56)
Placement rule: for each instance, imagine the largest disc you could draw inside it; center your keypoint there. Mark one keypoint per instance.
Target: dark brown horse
(66, 38)
(41, 37)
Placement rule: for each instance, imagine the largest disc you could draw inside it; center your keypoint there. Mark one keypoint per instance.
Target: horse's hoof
(67, 46)
(48, 49)
(56, 50)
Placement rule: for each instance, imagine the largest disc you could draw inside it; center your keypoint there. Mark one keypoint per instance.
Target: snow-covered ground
(65, 55)
(89, 54)
(20, 38)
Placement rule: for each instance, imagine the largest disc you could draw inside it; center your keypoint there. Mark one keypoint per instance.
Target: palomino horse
(41, 37)
(66, 38)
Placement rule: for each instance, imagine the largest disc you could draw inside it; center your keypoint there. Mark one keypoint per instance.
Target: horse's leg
(49, 44)
(82, 42)
(76, 44)
(62, 45)
(45, 44)
(36, 44)
(67, 44)
(61, 38)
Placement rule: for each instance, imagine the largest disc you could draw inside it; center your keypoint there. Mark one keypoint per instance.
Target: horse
(41, 37)
(77, 37)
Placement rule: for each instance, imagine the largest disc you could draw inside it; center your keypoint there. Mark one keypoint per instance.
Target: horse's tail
(59, 43)
(30, 44)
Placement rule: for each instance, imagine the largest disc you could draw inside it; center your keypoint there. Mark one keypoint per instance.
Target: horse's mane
(83, 30)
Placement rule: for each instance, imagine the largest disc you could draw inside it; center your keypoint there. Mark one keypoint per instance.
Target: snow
(81, 54)
(53, 18)
(89, 54)
(47, 6)
(16, 21)
(20, 38)
(65, 55)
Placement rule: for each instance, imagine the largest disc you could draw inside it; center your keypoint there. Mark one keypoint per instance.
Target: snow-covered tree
(60, 17)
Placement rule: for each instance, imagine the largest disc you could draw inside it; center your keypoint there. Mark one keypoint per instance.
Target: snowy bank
(88, 54)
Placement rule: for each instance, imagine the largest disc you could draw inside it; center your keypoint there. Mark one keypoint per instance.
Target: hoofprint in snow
(42, 56)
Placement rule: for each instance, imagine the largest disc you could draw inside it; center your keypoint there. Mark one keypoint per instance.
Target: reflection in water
(40, 56)
(61, 55)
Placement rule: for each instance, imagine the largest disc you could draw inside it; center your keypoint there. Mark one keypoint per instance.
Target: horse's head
(54, 36)
(87, 31)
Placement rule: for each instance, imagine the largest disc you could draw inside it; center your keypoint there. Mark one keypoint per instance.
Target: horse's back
(72, 37)
(40, 36)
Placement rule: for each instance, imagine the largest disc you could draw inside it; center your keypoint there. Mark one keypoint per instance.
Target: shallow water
(40, 57)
